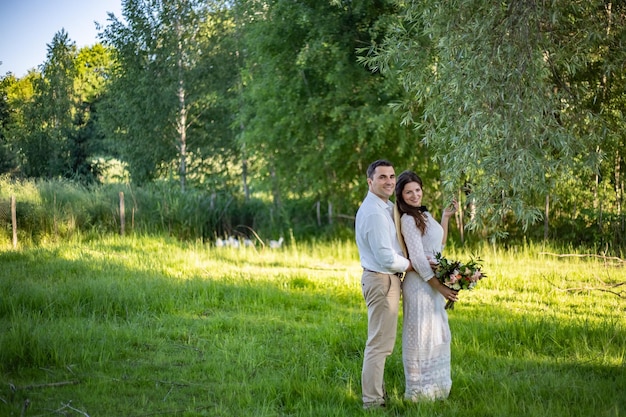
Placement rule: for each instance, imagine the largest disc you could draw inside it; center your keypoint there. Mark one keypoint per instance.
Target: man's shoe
(373, 405)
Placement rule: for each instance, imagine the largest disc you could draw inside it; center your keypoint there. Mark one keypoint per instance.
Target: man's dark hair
(376, 164)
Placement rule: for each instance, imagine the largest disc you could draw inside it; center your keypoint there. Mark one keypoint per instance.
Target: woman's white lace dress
(425, 330)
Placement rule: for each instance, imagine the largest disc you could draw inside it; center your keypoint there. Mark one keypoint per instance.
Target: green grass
(149, 326)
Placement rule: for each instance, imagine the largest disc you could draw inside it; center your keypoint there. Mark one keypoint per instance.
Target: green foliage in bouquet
(458, 275)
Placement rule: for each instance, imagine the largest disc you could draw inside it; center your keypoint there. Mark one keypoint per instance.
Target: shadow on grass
(135, 342)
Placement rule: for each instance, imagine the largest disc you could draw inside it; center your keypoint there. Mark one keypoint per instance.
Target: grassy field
(153, 327)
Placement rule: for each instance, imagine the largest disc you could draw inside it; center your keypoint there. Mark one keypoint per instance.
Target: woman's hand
(451, 208)
(449, 294)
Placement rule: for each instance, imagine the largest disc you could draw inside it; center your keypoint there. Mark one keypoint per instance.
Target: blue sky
(28, 26)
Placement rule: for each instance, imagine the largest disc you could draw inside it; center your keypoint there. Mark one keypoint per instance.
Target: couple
(391, 250)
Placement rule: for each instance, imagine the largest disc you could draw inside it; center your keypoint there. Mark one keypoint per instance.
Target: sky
(28, 26)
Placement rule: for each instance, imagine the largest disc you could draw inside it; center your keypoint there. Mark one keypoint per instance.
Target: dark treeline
(515, 108)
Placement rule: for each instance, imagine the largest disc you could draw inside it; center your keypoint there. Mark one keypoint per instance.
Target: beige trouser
(382, 296)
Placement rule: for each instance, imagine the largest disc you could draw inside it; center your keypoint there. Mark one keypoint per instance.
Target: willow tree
(505, 92)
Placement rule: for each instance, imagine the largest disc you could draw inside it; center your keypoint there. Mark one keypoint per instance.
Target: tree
(589, 69)
(503, 92)
(8, 158)
(50, 114)
(92, 66)
(18, 96)
(166, 85)
(314, 117)
(53, 128)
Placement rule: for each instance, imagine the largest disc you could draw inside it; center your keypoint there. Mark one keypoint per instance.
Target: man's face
(383, 182)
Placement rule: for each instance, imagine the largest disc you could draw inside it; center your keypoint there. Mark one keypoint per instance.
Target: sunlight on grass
(143, 325)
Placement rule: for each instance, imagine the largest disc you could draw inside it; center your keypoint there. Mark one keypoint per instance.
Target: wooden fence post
(122, 213)
(14, 220)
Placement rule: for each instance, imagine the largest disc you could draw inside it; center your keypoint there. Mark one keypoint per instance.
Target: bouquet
(457, 275)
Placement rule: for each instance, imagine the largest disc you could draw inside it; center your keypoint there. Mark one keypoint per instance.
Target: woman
(425, 329)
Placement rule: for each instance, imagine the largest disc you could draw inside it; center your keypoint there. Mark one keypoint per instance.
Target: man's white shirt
(376, 237)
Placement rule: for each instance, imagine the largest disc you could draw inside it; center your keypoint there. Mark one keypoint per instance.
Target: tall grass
(142, 326)
(61, 210)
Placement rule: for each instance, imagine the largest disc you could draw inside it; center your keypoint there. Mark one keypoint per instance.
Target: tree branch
(604, 287)
(618, 261)
(51, 384)
(68, 405)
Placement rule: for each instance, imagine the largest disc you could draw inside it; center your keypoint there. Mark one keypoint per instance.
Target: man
(383, 266)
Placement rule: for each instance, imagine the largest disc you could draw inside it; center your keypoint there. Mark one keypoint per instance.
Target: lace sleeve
(413, 240)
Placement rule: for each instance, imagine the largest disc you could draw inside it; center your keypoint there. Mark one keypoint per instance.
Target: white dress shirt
(376, 237)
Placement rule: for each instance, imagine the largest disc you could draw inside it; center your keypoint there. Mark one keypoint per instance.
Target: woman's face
(412, 194)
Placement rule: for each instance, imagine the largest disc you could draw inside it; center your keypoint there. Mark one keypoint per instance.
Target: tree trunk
(244, 168)
(330, 213)
(318, 213)
(619, 189)
(459, 217)
(182, 114)
(122, 215)
(596, 202)
(14, 220)
(275, 188)
(546, 218)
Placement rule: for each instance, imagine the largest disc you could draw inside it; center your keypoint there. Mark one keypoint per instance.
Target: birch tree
(165, 52)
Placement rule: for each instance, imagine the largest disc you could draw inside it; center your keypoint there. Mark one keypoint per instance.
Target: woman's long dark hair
(417, 212)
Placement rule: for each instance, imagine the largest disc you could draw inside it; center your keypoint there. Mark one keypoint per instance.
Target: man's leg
(382, 294)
